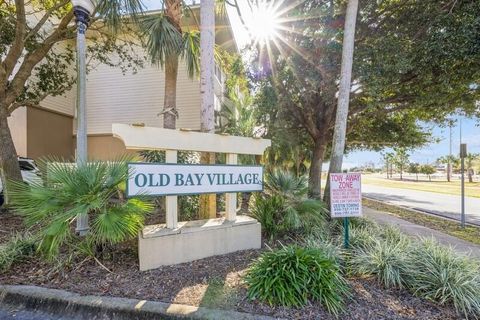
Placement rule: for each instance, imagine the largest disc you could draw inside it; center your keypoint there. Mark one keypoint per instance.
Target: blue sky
(429, 153)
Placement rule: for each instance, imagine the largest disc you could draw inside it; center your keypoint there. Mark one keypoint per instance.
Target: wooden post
(231, 198)
(171, 214)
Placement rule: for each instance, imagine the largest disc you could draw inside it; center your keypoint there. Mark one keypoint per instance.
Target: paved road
(438, 203)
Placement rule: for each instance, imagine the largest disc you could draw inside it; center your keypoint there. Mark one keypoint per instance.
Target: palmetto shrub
(385, 259)
(439, 274)
(267, 211)
(284, 206)
(18, 248)
(94, 189)
(293, 275)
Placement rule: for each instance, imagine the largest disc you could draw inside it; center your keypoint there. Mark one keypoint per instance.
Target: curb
(75, 305)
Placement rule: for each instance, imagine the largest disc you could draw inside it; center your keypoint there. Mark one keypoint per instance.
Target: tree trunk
(340, 131)
(207, 64)
(338, 145)
(9, 169)
(448, 172)
(170, 100)
(207, 109)
(315, 175)
(470, 176)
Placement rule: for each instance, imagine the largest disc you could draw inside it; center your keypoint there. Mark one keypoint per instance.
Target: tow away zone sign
(345, 195)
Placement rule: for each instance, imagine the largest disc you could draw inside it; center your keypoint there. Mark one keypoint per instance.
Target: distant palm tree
(471, 158)
(451, 161)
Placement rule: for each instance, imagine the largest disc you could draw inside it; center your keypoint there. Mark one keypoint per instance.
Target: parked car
(30, 173)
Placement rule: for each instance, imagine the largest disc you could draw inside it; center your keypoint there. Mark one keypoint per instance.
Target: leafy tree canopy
(37, 46)
(415, 62)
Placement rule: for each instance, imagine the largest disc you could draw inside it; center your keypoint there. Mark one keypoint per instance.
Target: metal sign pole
(346, 223)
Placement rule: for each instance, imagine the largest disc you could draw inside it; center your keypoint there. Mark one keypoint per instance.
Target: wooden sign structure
(178, 237)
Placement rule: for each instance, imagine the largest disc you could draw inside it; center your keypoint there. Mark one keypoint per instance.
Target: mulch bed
(197, 283)
(214, 282)
(9, 225)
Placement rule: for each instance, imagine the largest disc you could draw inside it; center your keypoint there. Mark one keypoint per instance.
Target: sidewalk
(421, 231)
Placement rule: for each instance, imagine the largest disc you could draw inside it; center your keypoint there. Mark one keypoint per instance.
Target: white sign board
(155, 179)
(345, 195)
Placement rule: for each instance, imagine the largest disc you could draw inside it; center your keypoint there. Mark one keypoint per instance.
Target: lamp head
(86, 5)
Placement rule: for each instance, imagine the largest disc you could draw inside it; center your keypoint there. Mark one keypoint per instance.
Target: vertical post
(82, 18)
(171, 206)
(463, 154)
(346, 223)
(231, 198)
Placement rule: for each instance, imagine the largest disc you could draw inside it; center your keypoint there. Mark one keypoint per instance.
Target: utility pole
(463, 154)
(449, 162)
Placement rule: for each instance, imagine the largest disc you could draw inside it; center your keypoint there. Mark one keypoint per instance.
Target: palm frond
(163, 38)
(94, 189)
(114, 12)
(191, 52)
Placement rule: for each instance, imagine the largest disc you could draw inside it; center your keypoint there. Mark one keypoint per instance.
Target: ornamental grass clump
(385, 259)
(292, 276)
(17, 249)
(95, 189)
(439, 274)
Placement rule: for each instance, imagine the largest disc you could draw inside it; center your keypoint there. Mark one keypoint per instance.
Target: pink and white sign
(345, 195)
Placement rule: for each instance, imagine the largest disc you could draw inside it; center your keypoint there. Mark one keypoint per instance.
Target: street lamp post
(82, 10)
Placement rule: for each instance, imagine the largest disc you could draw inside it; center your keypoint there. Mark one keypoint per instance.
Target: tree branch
(44, 19)
(18, 44)
(34, 57)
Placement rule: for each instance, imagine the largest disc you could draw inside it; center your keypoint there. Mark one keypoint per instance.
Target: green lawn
(471, 189)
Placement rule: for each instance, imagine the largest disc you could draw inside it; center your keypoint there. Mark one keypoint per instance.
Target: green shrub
(439, 274)
(385, 259)
(188, 207)
(94, 189)
(284, 207)
(18, 248)
(293, 275)
(266, 211)
(286, 185)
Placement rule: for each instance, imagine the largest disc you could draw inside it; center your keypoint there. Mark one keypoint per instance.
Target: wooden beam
(152, 138)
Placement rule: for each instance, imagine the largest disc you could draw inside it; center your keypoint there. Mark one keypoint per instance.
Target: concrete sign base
(161, 246)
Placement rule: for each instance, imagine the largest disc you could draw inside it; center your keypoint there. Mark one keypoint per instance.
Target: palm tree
(471, 159)
(451, 161)
(167, 42)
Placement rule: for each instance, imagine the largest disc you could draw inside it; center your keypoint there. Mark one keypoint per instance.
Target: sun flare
(265, 23)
